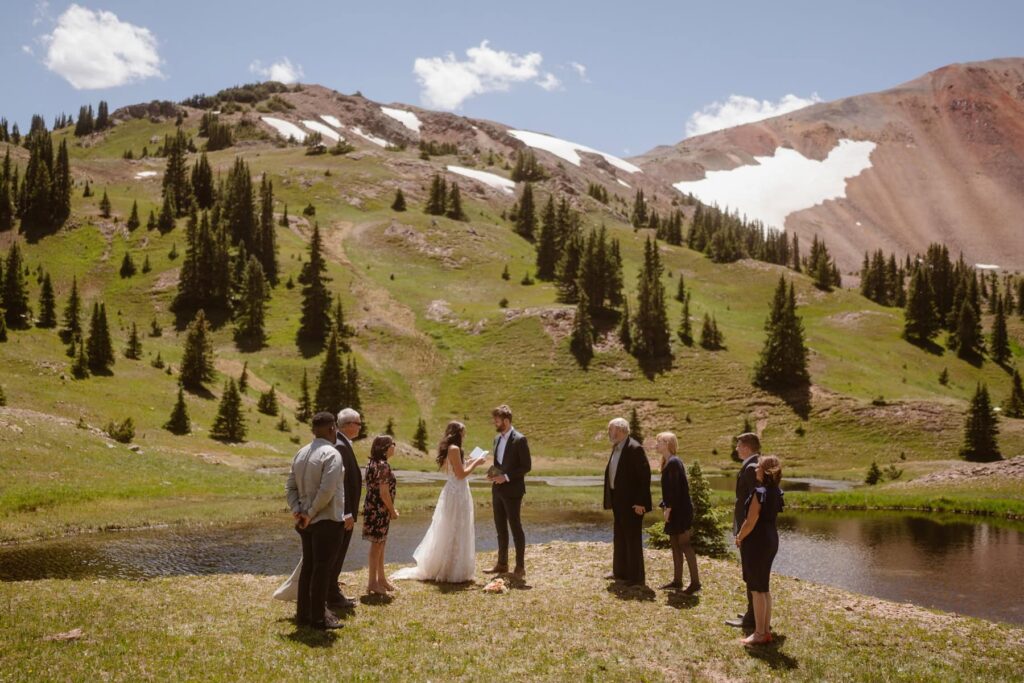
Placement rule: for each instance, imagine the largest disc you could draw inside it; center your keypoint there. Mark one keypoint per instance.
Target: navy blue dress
(675, 494)
(757, 551)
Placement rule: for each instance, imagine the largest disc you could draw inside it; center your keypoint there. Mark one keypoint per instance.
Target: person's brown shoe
(519, 573)
(497, 569)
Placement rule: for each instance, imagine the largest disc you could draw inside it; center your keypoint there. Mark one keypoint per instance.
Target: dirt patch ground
(1012, 469)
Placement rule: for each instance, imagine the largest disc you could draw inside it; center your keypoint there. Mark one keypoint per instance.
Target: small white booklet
(478, 453)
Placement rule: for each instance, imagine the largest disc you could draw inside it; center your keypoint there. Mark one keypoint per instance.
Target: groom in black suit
(748, 446)
(627, 493)
(508, 486)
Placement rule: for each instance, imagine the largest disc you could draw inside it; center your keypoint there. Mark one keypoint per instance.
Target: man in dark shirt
(748, 445)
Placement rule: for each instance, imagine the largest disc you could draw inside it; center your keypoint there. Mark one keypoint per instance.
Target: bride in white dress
(447, 552)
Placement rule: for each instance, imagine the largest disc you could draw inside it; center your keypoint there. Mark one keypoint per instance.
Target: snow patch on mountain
(324, 130)
(333, 120)
(776, 186)
(285, 129)
(372, 138)
(569, 151)
(406, 118)
(489, 179)
(145, 174)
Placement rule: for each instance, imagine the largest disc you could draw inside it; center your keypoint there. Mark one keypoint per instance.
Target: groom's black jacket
(515, 463)
(353, 476)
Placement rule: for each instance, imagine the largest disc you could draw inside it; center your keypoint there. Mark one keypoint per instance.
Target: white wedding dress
(447, 552)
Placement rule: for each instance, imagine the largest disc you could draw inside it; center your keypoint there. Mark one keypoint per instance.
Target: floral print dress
(376, 519)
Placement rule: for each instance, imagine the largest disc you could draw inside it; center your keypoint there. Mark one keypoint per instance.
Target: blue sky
(648, 67)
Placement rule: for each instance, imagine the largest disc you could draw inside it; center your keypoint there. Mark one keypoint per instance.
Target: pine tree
(14, 293)
(999, 345)
(60, 200)
(133, 350)
(685, 326)
(710, 337)
(205, 279)
(3, 398)
(179, 422)
(133, 218)
(304, 409)
(80, 366)
(99, 347)
(267, 402)
(6, 194)
(581, 342)
(265, 241)
(455, 211)
(639, 217)
(165, 223)
(345, 330)
(707, 537)
(105, 207)
(635, 427)
(251, 307)
(980, 429)
(202, 183)
(229, 425)
(332, 390)
(176, 188)
(681, 289)
(783, 360)
(526, 217)
(920, 321)
(243, 378)
(353, 401)
(85, 123)
(650, 324)
(874, 474)
(438, 198)
(102, 117)
(967, 338)
(72, 313)
(47, 304)
(146, 267)
(284, 217)
(197, 354)
(314, 323)
(127, 266)
(419, 439)
(547, 244)
(399, 203)
(3, 327)
(626, 329)
(1014, 406)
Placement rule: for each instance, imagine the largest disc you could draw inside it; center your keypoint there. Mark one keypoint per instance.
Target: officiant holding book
(508, 486)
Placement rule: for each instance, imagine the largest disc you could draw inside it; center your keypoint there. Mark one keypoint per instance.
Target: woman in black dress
(678, 511)
(379, 510)
(758, 541)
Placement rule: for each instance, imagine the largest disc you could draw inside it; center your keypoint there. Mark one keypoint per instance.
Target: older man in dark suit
(349, 424)
(627, 493)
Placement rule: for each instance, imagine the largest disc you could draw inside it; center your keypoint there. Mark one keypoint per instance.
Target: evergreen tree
(581, 342)
(179, 422)
(650, 324)
(35, 198)
(133, 350)
(6, 194)
(707, 537)
(73, 313)
(229, 425)
(197, 354)
(127, 265)
(920, 321)
(685, 326)
(625, 329)
(284, 217)
(265, 242)
(105, 207)
(569, 267)
(999, 345)
(639, 217)
(455, 211)
(267, 403)
(202, 183)
(251, 307)
(3, 327)
(526, 167)
(243, 379)
(419, 439)
(389, 428)
(354, 401)
(61, 193)
(102, 117)
(176, 188)
(99, 347)
(47, 304)
(85, 124)
(332, 389)
(3, 398)
(304, 409)
(874, 474)
(205, 279)
(547, 244)
(783, 360)
(165, 223)
(681, 289)
(315, 321)
(399, 203)
(437, 200)
(526, 217)
(710, 337)
(1014, 406)
(146, 267)
(980, 429)
(967, 339)
(345, 330)
(14, 293)
(635, 427)
(80, 366)
(133, 218)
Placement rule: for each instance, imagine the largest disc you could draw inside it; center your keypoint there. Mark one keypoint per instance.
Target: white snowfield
(489, 179)
(779, 185)
(569, 151)
(333, 120)
(323, 129)
(406, 118)
(372, 138)
(622, 182)
(285, 129)
(145, 174)
(986, 266)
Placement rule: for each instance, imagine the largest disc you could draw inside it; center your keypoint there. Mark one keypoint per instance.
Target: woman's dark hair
(452, 437)
(379, 447)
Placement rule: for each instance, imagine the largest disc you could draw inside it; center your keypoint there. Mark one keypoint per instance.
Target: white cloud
(446, 82)
(550, 82)
(27, 49)
(41, 12)
(581, 71)
(282, 71)
(94, 49)
(739, 109)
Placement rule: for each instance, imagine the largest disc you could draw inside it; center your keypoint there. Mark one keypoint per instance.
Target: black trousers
(333, 589)
(628, 544)
(320, 542)
(507, 513)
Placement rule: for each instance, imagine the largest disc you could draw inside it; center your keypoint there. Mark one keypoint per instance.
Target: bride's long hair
(452, 437)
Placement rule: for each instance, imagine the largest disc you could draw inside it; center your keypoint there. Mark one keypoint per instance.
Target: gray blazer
(316, 483)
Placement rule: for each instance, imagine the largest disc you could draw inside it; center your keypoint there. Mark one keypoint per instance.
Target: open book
(478, 453)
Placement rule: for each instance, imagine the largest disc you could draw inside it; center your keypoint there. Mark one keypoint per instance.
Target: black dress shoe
(692, 588)
(342, 604)
(328, 624)
(672, 586)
